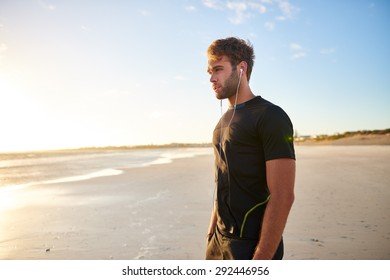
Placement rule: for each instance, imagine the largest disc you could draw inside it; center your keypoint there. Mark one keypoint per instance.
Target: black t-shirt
(259, 131)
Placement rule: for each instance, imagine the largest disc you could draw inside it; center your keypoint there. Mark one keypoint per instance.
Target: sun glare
(27, 126)
(22, 121)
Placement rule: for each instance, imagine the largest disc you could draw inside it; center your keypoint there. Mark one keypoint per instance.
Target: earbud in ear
(240, 71)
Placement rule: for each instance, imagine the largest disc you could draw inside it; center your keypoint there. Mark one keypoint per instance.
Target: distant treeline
(352, 133)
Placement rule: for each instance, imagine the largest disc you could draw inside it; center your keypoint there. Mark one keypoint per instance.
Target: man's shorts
(220, 247)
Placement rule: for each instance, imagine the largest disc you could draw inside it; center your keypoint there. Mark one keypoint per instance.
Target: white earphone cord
(235, 102)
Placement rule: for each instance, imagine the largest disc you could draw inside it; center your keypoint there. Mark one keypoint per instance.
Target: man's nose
(212, 78)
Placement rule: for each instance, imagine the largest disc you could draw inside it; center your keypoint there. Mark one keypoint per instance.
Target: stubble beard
(229, 88)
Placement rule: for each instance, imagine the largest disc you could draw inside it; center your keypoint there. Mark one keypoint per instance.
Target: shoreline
(128, 216)
(53, 167)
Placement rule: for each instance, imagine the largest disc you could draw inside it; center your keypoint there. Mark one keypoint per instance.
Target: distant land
(150, 146)
(361, 137)
(103, 149)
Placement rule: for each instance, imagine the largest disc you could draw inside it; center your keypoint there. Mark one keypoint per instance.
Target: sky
(108, 73)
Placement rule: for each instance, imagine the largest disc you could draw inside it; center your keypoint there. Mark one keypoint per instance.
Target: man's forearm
(280, 181)
(274, 222)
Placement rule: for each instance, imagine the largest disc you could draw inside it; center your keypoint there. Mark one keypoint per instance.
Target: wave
(101, 173)
(44, 169)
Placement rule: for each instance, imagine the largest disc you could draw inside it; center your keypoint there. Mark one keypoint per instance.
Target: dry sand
(342, 204)
(161, 212)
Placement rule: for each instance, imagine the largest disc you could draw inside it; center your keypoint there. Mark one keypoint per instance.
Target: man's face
(224, 79)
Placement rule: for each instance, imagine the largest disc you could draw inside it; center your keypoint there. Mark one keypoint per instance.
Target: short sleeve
(276, 134)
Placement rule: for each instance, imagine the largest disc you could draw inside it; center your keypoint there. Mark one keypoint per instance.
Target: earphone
(238, 87)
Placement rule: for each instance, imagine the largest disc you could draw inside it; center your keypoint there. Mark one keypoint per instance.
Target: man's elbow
(286, 198)
(290, 198)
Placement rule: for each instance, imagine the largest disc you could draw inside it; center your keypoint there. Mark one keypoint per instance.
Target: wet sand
(162, 211)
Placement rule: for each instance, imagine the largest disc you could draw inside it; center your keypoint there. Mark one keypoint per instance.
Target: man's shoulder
(262, 105)
(264, 111)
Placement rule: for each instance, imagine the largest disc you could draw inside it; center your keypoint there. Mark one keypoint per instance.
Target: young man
(254, 162)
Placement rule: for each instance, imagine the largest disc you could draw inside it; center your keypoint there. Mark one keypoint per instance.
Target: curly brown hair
(235, 49)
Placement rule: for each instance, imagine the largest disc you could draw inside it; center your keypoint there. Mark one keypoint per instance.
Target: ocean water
(19, 170)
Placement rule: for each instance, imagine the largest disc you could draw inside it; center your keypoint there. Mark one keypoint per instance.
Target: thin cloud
(190, 8)
(84, 28)
(46, 6)
(297, 50)
(327, 51)
(253, 35)
(294, 46)
(145, 13)
(180, 78)
(298, 55)
(213, 4)
(287, 9)
(245, 10)
(240, 14)
(270, 25)
(281, 18)
(258, 7)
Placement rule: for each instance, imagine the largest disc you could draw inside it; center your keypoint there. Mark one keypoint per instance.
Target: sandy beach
(162, 211)
(342, 204)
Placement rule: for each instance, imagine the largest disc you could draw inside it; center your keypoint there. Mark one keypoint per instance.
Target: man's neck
(244, 94)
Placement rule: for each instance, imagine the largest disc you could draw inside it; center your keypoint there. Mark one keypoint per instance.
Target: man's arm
(280, 180)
